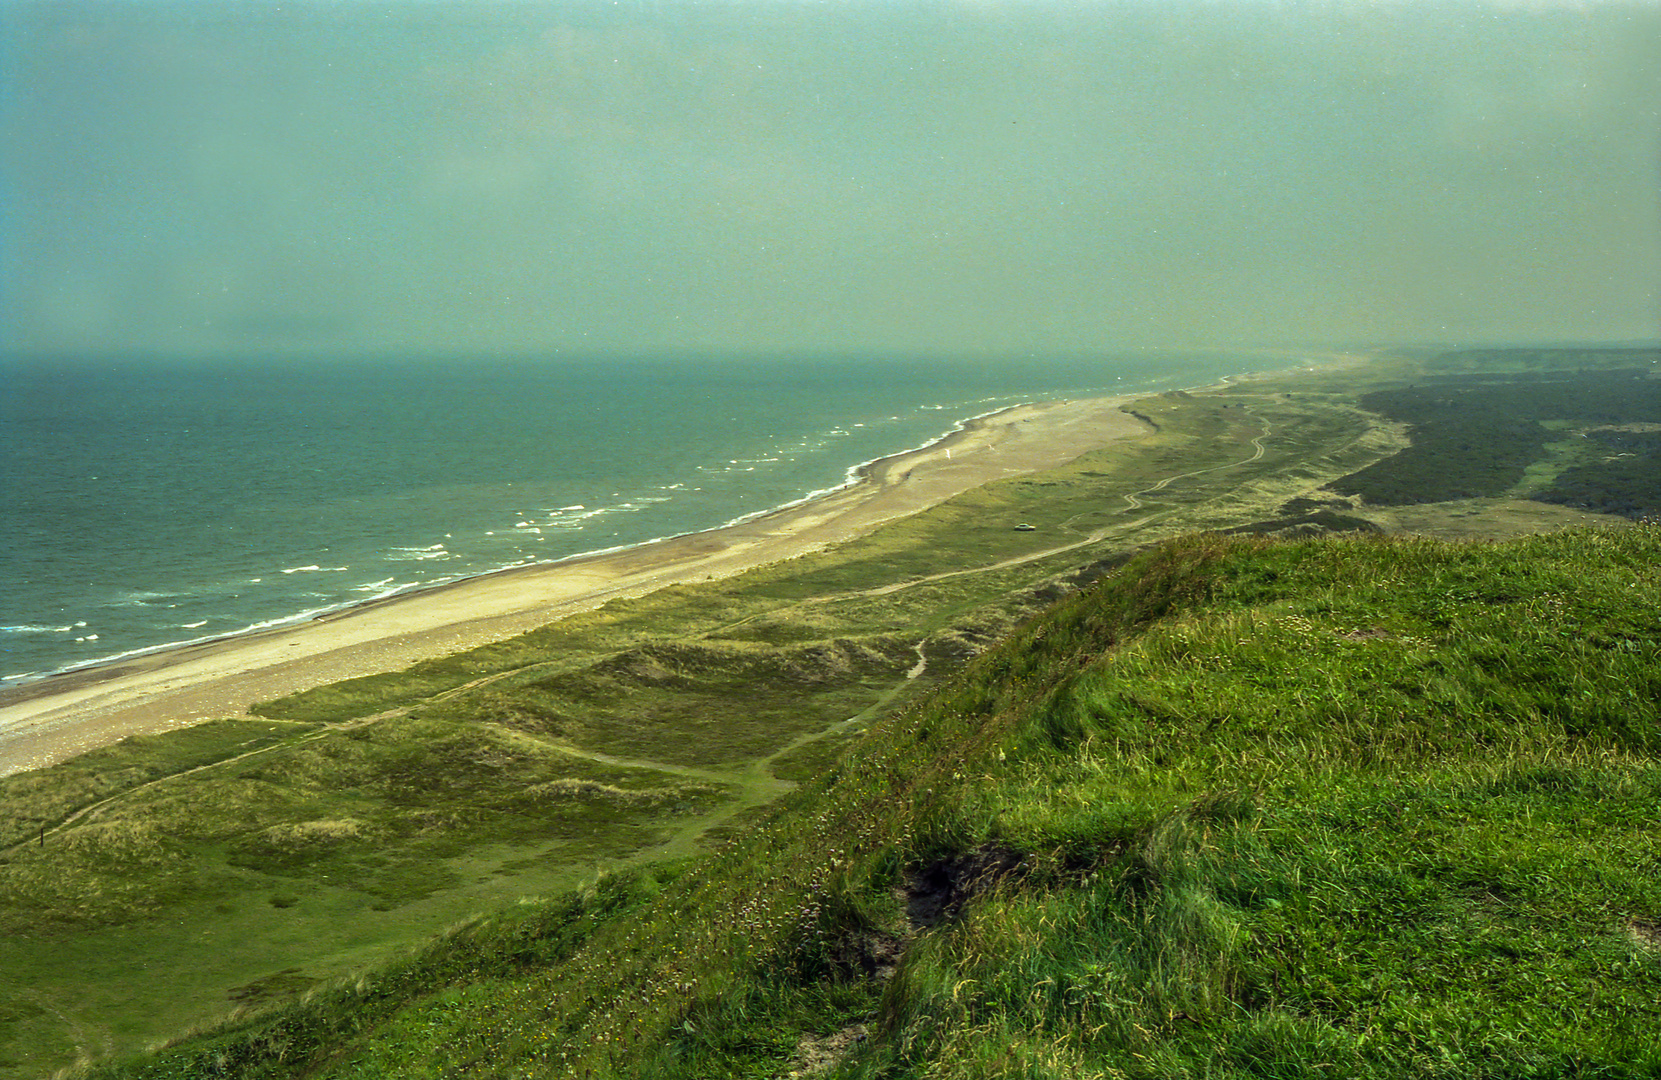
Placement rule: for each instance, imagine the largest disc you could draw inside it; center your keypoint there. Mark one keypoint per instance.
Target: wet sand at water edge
(45, 722)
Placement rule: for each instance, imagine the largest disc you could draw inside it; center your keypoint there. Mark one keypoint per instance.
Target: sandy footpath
(56, 718)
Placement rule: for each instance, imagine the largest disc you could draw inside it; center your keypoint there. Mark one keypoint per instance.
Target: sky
(983, 177)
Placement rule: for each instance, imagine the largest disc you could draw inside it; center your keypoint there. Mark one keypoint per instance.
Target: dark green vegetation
(1621, 473)
(1589, 435)
(1071, 853)
(1243, 807)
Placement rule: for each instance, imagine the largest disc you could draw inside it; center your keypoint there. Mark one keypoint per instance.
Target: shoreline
(60, 715)
(108, 667)
(25, 687)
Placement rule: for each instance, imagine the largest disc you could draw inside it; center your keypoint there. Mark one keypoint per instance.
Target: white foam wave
(856, 473)
(417, 554)
(574, 520)
(148, 650)
(140, 598)
(29, 629)
(193, 625)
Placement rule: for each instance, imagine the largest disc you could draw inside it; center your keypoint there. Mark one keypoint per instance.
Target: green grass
(723, 704)
(1352, 806)
(1150, 805)
(321, 854)
(373, 812)
(33, 801)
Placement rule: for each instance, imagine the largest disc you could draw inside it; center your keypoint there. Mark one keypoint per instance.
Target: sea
(147, 503)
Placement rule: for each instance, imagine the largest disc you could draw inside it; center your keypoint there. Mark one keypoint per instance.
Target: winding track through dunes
(66, 715)
(1297, 446)
(1135, 503)
(756, 781)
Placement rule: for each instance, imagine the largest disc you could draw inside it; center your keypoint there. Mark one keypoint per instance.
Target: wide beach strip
(56, 718)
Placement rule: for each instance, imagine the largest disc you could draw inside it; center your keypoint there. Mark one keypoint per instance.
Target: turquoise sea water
(149, 503)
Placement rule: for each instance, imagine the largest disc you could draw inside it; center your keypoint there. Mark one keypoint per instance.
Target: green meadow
(1122, 796)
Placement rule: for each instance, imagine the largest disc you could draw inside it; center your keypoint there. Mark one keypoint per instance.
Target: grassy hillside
(161, 883)
(157, 884)
(1350, 806)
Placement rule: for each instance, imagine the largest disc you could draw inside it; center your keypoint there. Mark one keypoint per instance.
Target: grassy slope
(1346, 806)
(311, 843)
(238, 863)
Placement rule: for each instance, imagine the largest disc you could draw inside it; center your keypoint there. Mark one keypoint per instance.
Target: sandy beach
(56, 718)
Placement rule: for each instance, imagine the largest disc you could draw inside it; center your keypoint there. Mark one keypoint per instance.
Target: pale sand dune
(54, 719)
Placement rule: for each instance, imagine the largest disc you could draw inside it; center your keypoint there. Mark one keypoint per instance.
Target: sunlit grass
(1356, 807)
(1254, 808)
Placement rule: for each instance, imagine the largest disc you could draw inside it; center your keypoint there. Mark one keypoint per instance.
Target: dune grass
(373, 812)
(1347, 806)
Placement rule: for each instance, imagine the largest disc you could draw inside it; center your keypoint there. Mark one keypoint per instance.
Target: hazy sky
(991, 177)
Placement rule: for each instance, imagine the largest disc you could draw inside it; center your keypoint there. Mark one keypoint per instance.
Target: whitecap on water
(417, 554)
(141, 598)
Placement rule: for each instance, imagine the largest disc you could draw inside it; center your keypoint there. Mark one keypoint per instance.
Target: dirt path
(1256, 441)
(42, 723)
(92, 808)
(755, 780)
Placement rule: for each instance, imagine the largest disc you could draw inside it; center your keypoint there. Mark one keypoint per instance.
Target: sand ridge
(56, 718)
